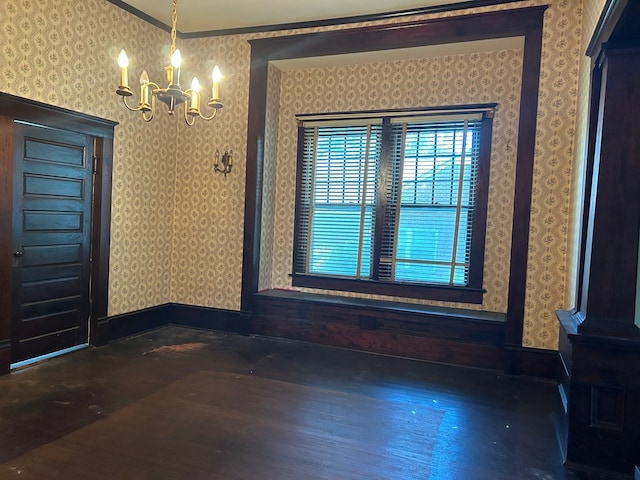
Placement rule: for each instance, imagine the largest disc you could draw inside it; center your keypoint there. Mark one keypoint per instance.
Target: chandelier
(172, 95)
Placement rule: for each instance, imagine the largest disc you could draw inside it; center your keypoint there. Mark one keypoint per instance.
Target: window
(394, 203)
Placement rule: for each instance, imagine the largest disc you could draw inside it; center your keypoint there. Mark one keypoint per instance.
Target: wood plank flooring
(177, 403)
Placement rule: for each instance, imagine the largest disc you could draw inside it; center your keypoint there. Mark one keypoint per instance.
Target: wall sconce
(223, 165)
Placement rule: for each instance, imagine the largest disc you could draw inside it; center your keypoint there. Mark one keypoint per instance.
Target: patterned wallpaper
(552, 190)
(267, 249)
(481, 77)
(177, 227)
(206, 266)
(591, 13)
(553, 168)
(63, 52)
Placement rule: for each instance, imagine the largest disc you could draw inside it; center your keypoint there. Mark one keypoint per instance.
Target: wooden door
(51, 240)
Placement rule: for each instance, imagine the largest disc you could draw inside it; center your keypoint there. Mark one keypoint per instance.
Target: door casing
(14, 108)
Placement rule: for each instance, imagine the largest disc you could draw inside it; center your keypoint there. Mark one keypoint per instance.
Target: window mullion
(384, 179)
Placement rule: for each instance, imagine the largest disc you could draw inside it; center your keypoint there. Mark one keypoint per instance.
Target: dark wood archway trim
(526, 22)
(16, 108)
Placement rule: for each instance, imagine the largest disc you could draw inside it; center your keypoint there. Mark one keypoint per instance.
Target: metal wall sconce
(223, 165)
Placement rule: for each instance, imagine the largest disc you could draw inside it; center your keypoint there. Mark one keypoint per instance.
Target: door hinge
(95, 165)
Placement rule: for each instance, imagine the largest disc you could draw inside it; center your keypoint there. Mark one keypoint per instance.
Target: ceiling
(207, 15)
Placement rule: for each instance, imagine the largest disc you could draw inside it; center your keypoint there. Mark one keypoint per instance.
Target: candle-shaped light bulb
(216, 76)
(176, 59)
(195, 96)
(173, 71)
(144, 88)
(123, 60)
(123, 63)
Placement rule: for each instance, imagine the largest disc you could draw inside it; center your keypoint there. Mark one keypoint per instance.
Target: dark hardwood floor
(178, 403)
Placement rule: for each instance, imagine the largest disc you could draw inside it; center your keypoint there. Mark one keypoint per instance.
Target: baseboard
(207, 318)
(5, 356)
(132, 323)
(99, 331)
(527, 361)
(537, 362)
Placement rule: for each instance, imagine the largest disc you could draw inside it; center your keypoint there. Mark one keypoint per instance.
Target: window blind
(337, 199)
(430, 209)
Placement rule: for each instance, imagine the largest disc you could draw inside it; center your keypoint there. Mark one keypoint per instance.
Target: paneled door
(50, 284)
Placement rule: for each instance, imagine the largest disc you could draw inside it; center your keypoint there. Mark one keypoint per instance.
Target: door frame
(16, 108)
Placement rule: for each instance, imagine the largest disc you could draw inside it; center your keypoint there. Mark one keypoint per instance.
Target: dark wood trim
(19, 108)
(99, 334)
(426, 348)
(412, 290)
(16, 108)
(527, 22)
(454, 336)
(298, 212)
(523, 187)
(254, 178)
(6, 257)
(207, 318)
(446, 7)
(584, 262)
(192, 316)
(101, 236)
(132, 323)
(537, 362)
(441, 335)
(5, 357)
(385, 181)
(383, 229)
(479, 228)
(611, 13)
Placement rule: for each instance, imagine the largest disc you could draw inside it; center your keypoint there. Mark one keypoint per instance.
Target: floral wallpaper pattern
(64, 52)
(177, 227)
(591, 13)
(481, 77)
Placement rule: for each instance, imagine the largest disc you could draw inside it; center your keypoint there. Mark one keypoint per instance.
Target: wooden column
(599, 380)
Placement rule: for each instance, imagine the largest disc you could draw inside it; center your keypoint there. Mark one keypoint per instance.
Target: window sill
(394, 289)
(384, 306)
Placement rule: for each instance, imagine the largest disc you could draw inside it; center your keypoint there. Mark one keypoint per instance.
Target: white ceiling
(208, 15)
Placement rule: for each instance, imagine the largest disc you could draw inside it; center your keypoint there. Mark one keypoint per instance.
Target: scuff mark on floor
(182, 348)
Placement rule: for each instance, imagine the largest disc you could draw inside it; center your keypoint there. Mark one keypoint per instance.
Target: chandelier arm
(140, 105)
(189, 119)
(172, 95)
(147, 115)
(215, 111)
(133, 109)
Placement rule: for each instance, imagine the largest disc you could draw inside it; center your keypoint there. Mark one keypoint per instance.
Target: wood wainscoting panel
(437, 335)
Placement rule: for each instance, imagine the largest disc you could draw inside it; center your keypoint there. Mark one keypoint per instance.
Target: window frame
(470, 293)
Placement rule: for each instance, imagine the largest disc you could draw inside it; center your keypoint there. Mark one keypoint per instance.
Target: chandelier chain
(174, 21)
(172, 95)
